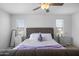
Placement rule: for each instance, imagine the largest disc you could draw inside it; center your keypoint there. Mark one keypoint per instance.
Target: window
(20, 27)
(60, 26)
(20, 23)
(59, 23)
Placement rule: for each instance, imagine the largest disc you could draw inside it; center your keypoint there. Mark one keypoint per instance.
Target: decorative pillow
(40, 38)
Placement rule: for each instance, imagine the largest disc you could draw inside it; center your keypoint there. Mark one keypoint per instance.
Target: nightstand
(66, 41)
(18, 40)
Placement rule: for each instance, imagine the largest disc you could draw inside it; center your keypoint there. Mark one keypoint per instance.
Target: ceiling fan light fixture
(45, 6)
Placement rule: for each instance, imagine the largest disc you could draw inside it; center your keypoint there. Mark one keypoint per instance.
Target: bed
(35, 48)
(33, 43)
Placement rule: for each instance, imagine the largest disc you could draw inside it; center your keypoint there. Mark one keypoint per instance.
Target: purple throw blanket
(35, 47)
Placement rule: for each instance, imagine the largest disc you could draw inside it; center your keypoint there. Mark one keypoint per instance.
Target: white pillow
(46, 36)
(34, 36)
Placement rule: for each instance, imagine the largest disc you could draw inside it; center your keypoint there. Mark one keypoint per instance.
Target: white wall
(75, 29)
(45, 20)
(4, 29)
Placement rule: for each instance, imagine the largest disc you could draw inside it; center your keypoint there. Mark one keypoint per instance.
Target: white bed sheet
(35, 43)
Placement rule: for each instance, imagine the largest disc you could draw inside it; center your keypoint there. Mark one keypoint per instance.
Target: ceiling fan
(45, 6)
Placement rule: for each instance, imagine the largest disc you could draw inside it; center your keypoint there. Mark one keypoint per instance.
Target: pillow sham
(46, 36)
(34, 36)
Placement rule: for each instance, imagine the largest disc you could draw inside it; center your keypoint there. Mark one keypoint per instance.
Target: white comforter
(35, 43)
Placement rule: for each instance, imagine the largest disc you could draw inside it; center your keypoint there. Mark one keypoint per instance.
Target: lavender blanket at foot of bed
(31, 47)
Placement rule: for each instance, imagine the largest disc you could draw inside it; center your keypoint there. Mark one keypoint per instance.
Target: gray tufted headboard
(37, 30)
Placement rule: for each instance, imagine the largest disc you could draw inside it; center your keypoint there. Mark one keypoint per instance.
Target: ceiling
(26, 8)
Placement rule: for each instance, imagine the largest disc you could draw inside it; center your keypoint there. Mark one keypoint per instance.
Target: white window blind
(20, 23)
(59, 22)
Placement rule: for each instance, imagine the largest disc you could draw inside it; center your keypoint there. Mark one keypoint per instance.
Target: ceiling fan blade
(56, 4)
(37, 8)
